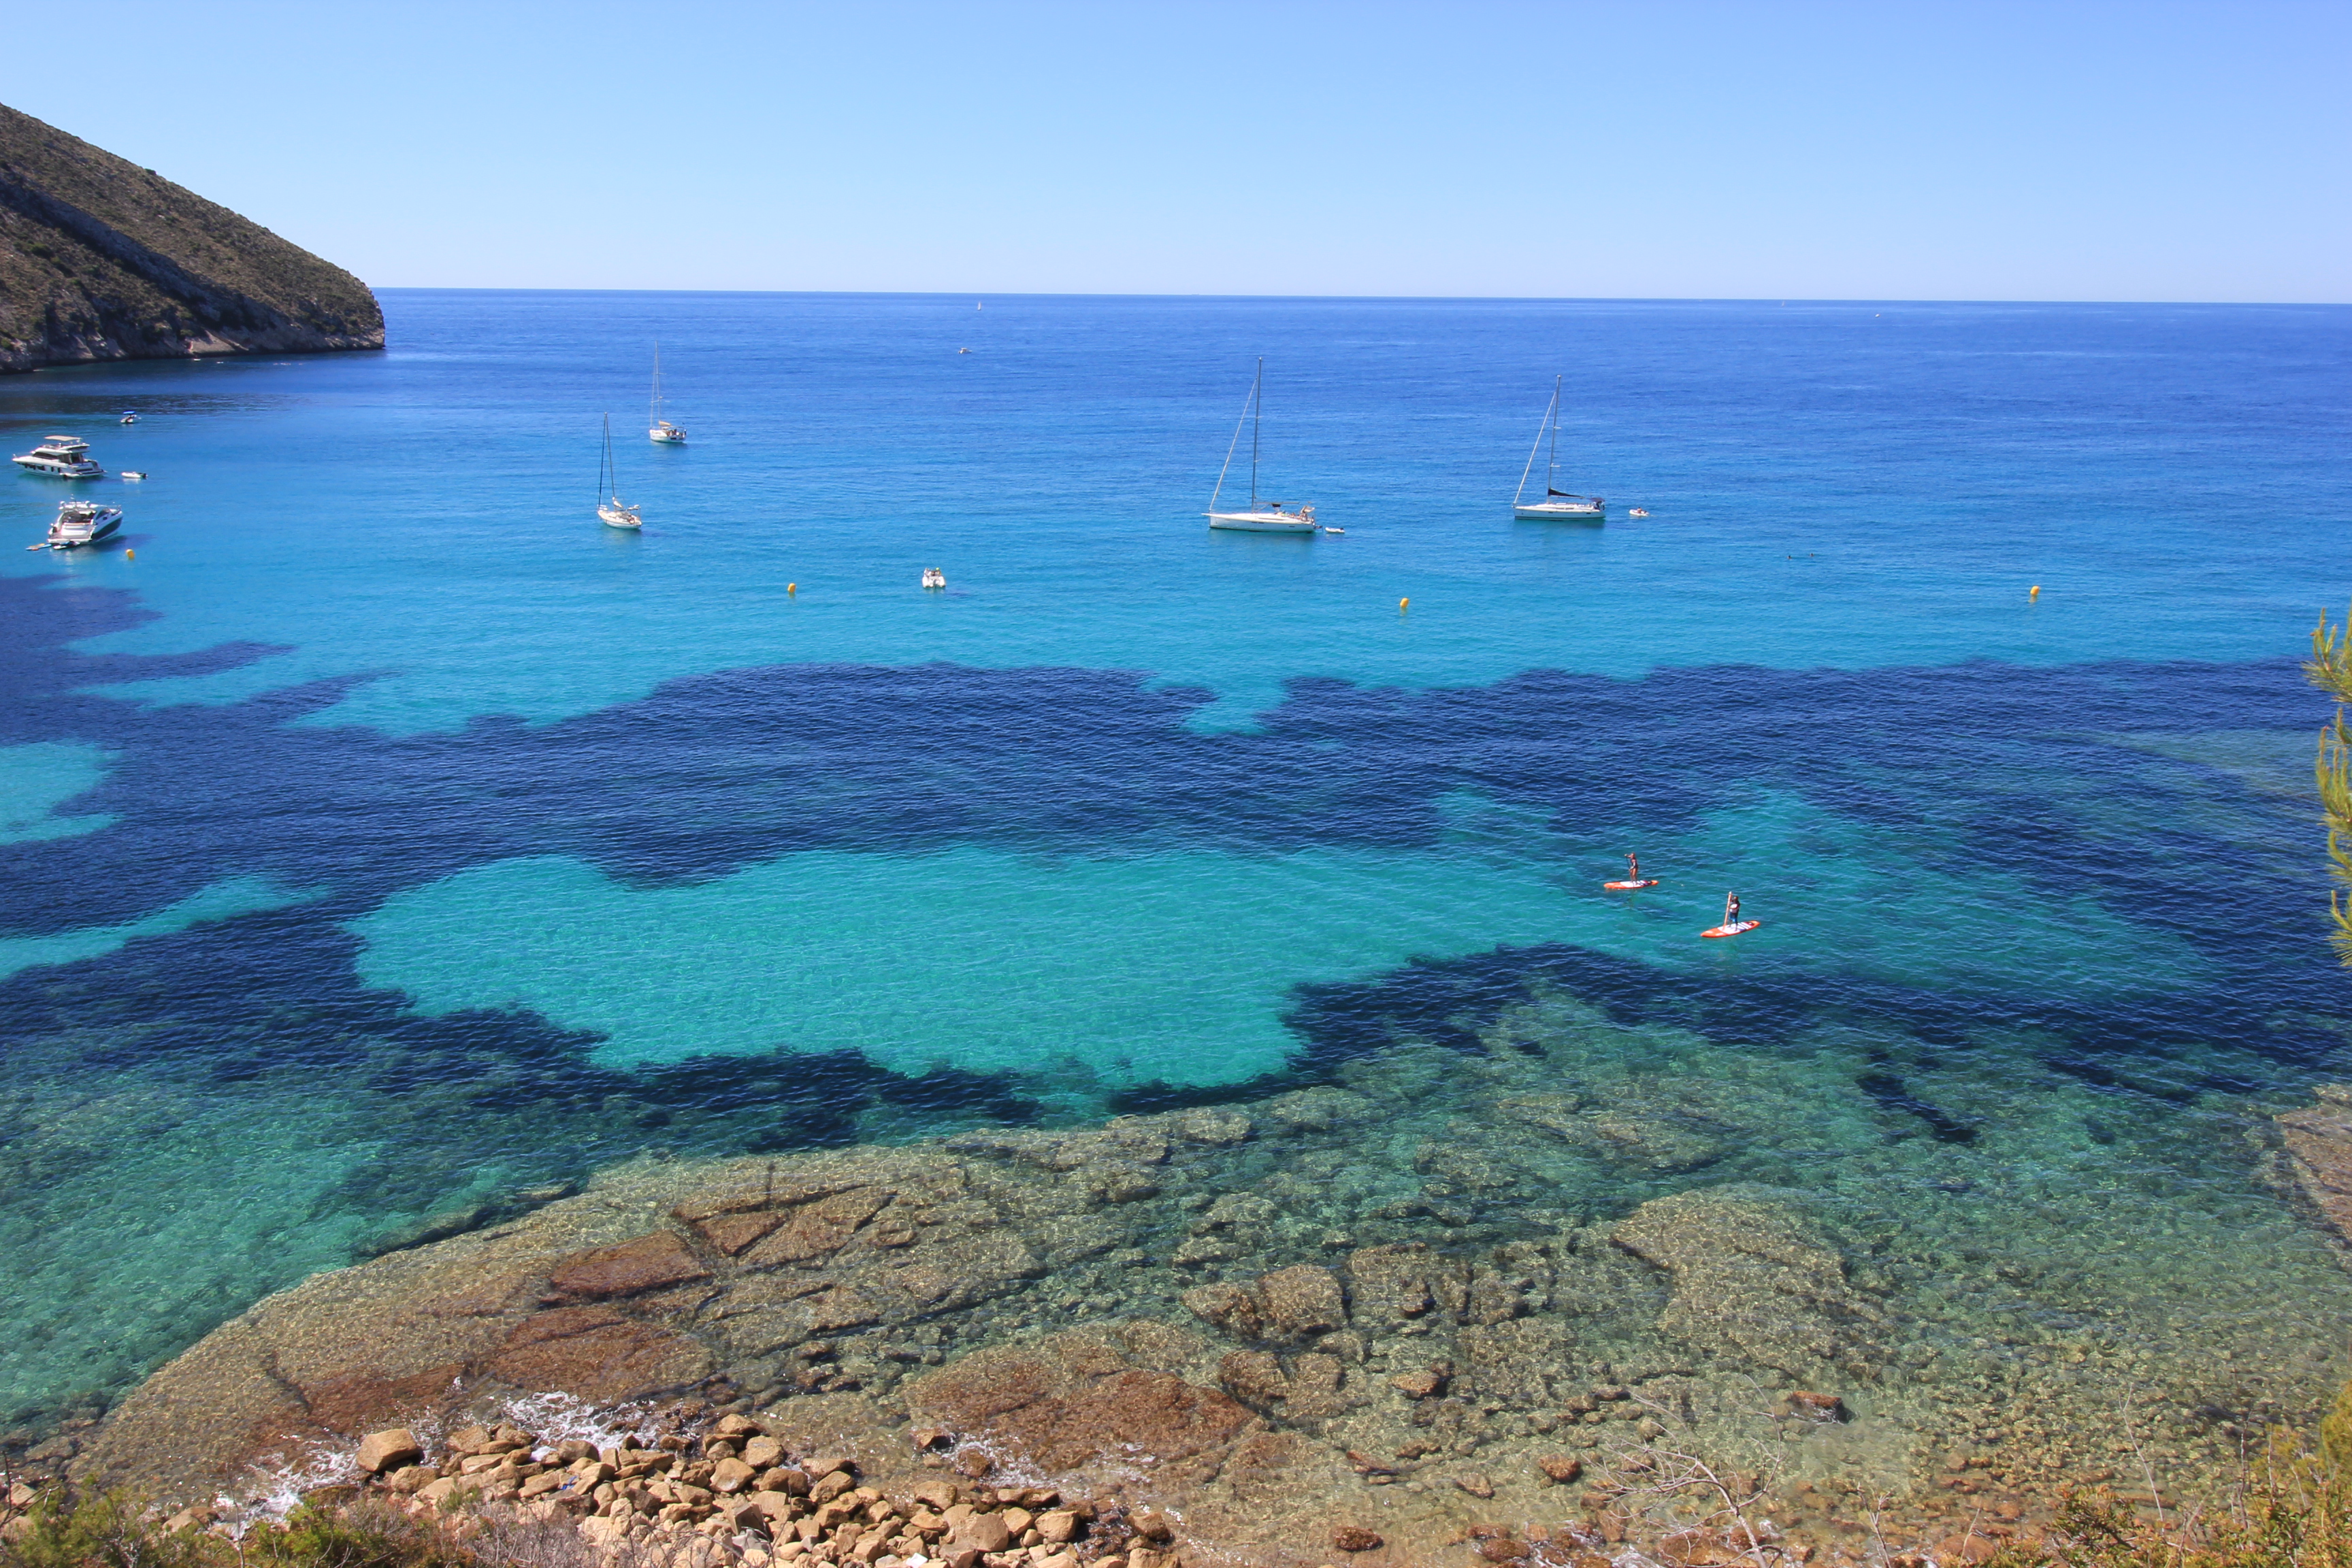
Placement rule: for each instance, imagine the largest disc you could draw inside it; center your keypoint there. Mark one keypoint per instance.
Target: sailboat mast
(1552, 464)
(656, 413)
(1257, 411)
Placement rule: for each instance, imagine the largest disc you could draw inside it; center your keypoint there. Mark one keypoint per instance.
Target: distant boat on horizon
(1557, 505)
(615, 511)
(662, 431)
(1263, 517)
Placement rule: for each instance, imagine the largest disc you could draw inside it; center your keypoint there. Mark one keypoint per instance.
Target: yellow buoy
(131, 556)
(2034, 592)
(792, 587)
(1402, 603)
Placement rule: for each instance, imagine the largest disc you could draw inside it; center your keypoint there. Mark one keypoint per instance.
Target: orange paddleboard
(1629, 887)
(1731, 930)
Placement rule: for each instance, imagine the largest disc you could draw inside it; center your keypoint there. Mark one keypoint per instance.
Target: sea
(387, 847)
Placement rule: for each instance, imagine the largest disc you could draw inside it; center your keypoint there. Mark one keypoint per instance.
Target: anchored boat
(661, 429)
(615, 511)
(82, 522)
(60, 456)
(1263, 517)
(1557, 505)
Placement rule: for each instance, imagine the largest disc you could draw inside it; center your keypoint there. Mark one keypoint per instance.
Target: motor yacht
(82, 522)
(61, 456)
(934, 578)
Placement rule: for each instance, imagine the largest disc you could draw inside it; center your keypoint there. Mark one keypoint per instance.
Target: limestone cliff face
(100, 260)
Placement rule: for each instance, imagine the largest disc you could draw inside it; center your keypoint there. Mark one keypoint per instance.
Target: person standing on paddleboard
(1730, 910)
(1632, 868)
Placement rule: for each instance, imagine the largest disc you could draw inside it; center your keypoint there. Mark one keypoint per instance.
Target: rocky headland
(1539, 1302)
(101, 259)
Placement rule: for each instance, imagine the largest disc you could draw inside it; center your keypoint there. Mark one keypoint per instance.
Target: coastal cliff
(101, 259)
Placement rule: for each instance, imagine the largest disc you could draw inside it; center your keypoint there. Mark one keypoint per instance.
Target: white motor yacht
(60, 456)
(1263, 517)
(934, 578)
(82, 522)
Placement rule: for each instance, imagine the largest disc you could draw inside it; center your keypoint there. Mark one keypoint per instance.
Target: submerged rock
(1753, 1278)
(2319, 1141)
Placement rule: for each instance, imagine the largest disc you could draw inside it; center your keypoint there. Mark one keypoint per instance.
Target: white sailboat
(1263, 517)
(1557, 505)
(662, 431)
(615, 511)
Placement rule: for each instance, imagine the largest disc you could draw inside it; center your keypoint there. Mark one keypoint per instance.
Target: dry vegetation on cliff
(103, 259)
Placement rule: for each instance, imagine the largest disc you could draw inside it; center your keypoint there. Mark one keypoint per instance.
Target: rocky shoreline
(1376, 1309)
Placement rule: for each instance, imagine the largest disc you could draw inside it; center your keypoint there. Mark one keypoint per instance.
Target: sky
(1900, 149)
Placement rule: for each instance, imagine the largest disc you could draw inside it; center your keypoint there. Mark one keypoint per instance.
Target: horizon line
(984, 294)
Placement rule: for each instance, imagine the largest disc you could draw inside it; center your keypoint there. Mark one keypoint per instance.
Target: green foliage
(112, 1531)
(2330, 668)
(103, 1531)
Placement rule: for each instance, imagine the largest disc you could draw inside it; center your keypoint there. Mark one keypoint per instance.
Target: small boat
(1329, 529)
(129, 417)
(1263, 517)
(82, 522)
(1557, 505)
(934, 578)
(662, 431)
(60, 456)
(615, 511)
(134, 473)
(1638, 511)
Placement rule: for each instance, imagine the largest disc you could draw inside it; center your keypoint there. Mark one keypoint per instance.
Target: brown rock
(731, 1475)
(817, 1229)
(1254, 1377)
(1235, 1308)
(831, 1486)
(1419, 1384)
(1818, 1406)
(596, 1354)
(388, 1451)
(1561, 1468)
(1058, 1526)
(1355, 1538)
(1153, 1525)
(1476, 1485)
(762, 1453)
(2320, 1141)
(1502, 1549)
(1304, 1300)
(1072, 1401)
(986, 1532)
(648, 1263)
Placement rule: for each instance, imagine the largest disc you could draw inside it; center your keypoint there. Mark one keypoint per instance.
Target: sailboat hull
(1262, 523)
(1562, 511)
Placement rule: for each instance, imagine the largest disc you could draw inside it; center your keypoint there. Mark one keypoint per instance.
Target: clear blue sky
(2052, 151)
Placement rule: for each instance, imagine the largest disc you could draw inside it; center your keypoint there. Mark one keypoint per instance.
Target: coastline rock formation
(101, 259)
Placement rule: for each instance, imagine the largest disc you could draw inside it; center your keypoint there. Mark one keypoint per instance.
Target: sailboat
(1263, 517)
(1557, 505)
(616, 513)
(662, 431)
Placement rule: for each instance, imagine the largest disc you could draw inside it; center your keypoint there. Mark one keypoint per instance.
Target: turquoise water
(385, 838)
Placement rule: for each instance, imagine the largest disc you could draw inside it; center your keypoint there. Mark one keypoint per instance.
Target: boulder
(388, 1451)
(1304, 1300)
